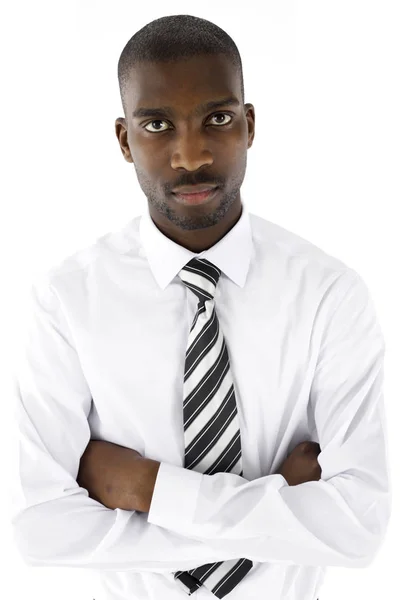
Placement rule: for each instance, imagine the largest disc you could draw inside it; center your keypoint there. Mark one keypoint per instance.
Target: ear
(121, 131)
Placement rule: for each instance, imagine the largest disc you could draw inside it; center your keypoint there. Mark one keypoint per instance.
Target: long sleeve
(55, 522)
(339, 520)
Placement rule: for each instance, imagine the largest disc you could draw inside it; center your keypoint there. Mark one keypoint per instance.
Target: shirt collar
(231, 254)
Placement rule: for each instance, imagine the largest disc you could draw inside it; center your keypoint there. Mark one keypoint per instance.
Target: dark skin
(120, 477)
(186, 146)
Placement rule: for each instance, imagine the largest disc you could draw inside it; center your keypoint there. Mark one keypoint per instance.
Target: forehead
(182, 84)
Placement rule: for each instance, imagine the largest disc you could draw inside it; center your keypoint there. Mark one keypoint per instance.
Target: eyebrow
(166, 111)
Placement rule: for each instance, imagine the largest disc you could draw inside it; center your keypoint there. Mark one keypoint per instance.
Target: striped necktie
(211, 425)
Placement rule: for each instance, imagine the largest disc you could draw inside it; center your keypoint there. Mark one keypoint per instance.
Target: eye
(151, 123)
(222, 115)
(212, 117)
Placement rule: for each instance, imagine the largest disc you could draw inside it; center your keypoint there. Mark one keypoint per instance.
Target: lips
(198, 198)
(193, 189)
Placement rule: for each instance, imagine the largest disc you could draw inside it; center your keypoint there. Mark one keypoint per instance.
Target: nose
(190, 153)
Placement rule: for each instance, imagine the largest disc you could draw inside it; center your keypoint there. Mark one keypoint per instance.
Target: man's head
(183, 62)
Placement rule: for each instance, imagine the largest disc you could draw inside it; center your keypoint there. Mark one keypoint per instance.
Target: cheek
(239, 140)
(239, 149)
(149, 154)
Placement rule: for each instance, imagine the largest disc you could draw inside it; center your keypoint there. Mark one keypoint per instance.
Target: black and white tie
(210, 422)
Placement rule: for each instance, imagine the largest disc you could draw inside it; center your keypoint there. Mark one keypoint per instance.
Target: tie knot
(200, 276)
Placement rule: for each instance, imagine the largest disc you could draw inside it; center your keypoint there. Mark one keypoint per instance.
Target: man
(183, 374)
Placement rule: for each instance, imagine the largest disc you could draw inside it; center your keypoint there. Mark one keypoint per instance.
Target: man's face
(184, 147)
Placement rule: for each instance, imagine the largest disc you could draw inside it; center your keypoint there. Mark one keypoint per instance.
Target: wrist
(145, 483)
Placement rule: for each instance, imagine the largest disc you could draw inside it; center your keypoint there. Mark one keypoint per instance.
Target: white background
(324, 80)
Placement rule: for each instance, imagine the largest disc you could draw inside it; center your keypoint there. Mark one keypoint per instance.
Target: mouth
(198, 198)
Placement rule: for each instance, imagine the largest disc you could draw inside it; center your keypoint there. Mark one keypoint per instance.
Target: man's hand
(302, 465)
(117, 477)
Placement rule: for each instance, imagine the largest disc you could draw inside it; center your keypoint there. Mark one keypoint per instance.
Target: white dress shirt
(104, 359)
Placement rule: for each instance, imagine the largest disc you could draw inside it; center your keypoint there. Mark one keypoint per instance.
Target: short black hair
(172, 38)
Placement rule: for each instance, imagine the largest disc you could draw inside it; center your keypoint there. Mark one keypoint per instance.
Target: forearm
(116, 476)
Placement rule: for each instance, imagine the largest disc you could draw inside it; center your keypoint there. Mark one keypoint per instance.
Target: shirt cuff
(175, 495)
